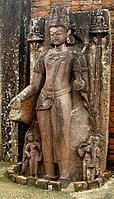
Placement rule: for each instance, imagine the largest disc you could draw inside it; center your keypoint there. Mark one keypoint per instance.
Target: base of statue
(14, 174)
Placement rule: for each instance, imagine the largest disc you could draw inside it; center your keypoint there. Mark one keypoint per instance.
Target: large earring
(70, 38)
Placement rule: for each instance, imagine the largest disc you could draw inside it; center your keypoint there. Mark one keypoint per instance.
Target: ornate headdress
(60, 17)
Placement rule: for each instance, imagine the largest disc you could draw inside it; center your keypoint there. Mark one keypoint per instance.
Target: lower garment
(54, 126)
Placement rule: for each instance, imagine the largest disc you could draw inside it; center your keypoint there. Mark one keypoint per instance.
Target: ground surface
(10, 190)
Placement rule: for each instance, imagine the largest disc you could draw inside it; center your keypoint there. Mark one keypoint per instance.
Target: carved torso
(58, 67)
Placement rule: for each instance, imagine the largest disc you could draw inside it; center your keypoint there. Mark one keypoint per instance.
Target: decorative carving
(32, 154)
(99, 24)
(90, 152)
(65, 96)
(36, 30)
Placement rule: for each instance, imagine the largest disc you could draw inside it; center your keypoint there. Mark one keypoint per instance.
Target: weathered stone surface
(93, 184)
(19, 167)
(14, 21)
(16, 168)
(21, 180)
(31, 181)
(80, 186)
(8, 173)
(107, 175)
(41, 183)
(100, 181)
(13, 177)
(71, 112)
(53, 185)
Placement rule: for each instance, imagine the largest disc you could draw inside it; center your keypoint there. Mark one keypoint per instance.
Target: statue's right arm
(34, 87)
(36, 83)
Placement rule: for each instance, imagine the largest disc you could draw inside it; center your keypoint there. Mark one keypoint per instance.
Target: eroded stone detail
(68, 96)
(90, 152)
(32, 154)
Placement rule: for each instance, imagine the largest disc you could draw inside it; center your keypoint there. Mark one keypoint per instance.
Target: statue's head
(58, 35)
(59, 25)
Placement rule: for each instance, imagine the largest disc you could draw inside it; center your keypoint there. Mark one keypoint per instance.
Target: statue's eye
(51, 33)
(56, 33)
(59, 33)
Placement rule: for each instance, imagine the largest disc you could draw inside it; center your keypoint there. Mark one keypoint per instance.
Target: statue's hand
(28, 156)
(79, 84)
(15, 103)
(15, 109)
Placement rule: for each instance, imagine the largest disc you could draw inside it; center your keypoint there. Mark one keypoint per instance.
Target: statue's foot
(64, 182)
(50, 178)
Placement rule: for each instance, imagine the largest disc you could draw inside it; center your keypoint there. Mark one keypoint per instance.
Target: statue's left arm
(80, 82)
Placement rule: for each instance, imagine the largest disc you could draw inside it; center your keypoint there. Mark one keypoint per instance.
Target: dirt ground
(10, 190)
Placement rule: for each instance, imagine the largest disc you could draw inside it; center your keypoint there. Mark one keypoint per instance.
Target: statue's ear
(69, 32)
(70, 38)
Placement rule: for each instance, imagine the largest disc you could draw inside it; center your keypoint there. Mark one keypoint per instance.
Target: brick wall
(43, 7)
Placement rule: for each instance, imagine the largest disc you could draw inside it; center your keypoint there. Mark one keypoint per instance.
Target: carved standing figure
(52, 79)
(90, 153)
(32, 154)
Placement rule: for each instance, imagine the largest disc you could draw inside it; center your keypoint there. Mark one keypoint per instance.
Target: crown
(60, 17)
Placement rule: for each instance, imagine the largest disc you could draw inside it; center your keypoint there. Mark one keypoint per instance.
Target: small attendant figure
(33, 154)
(90, 153)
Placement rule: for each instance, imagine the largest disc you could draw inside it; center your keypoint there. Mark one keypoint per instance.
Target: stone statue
(65, 96)
(51, 77)
(32, 154)
(90, 152)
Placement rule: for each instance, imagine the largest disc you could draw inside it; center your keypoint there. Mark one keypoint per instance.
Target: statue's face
(58, 35)
(30, 138)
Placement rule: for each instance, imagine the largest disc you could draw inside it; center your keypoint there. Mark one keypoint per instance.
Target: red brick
(111, 130)
(110, 157)
(106, 1)
(111, 151)
(97, 2)
(112, 102)
(41, 3)
(112, 108)
(111, 146)
(112, 119)
(75, 8)
(111, 141)
(75, 3)
(40, 14)
(111, 124)
(86, 2)
(90, 7)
